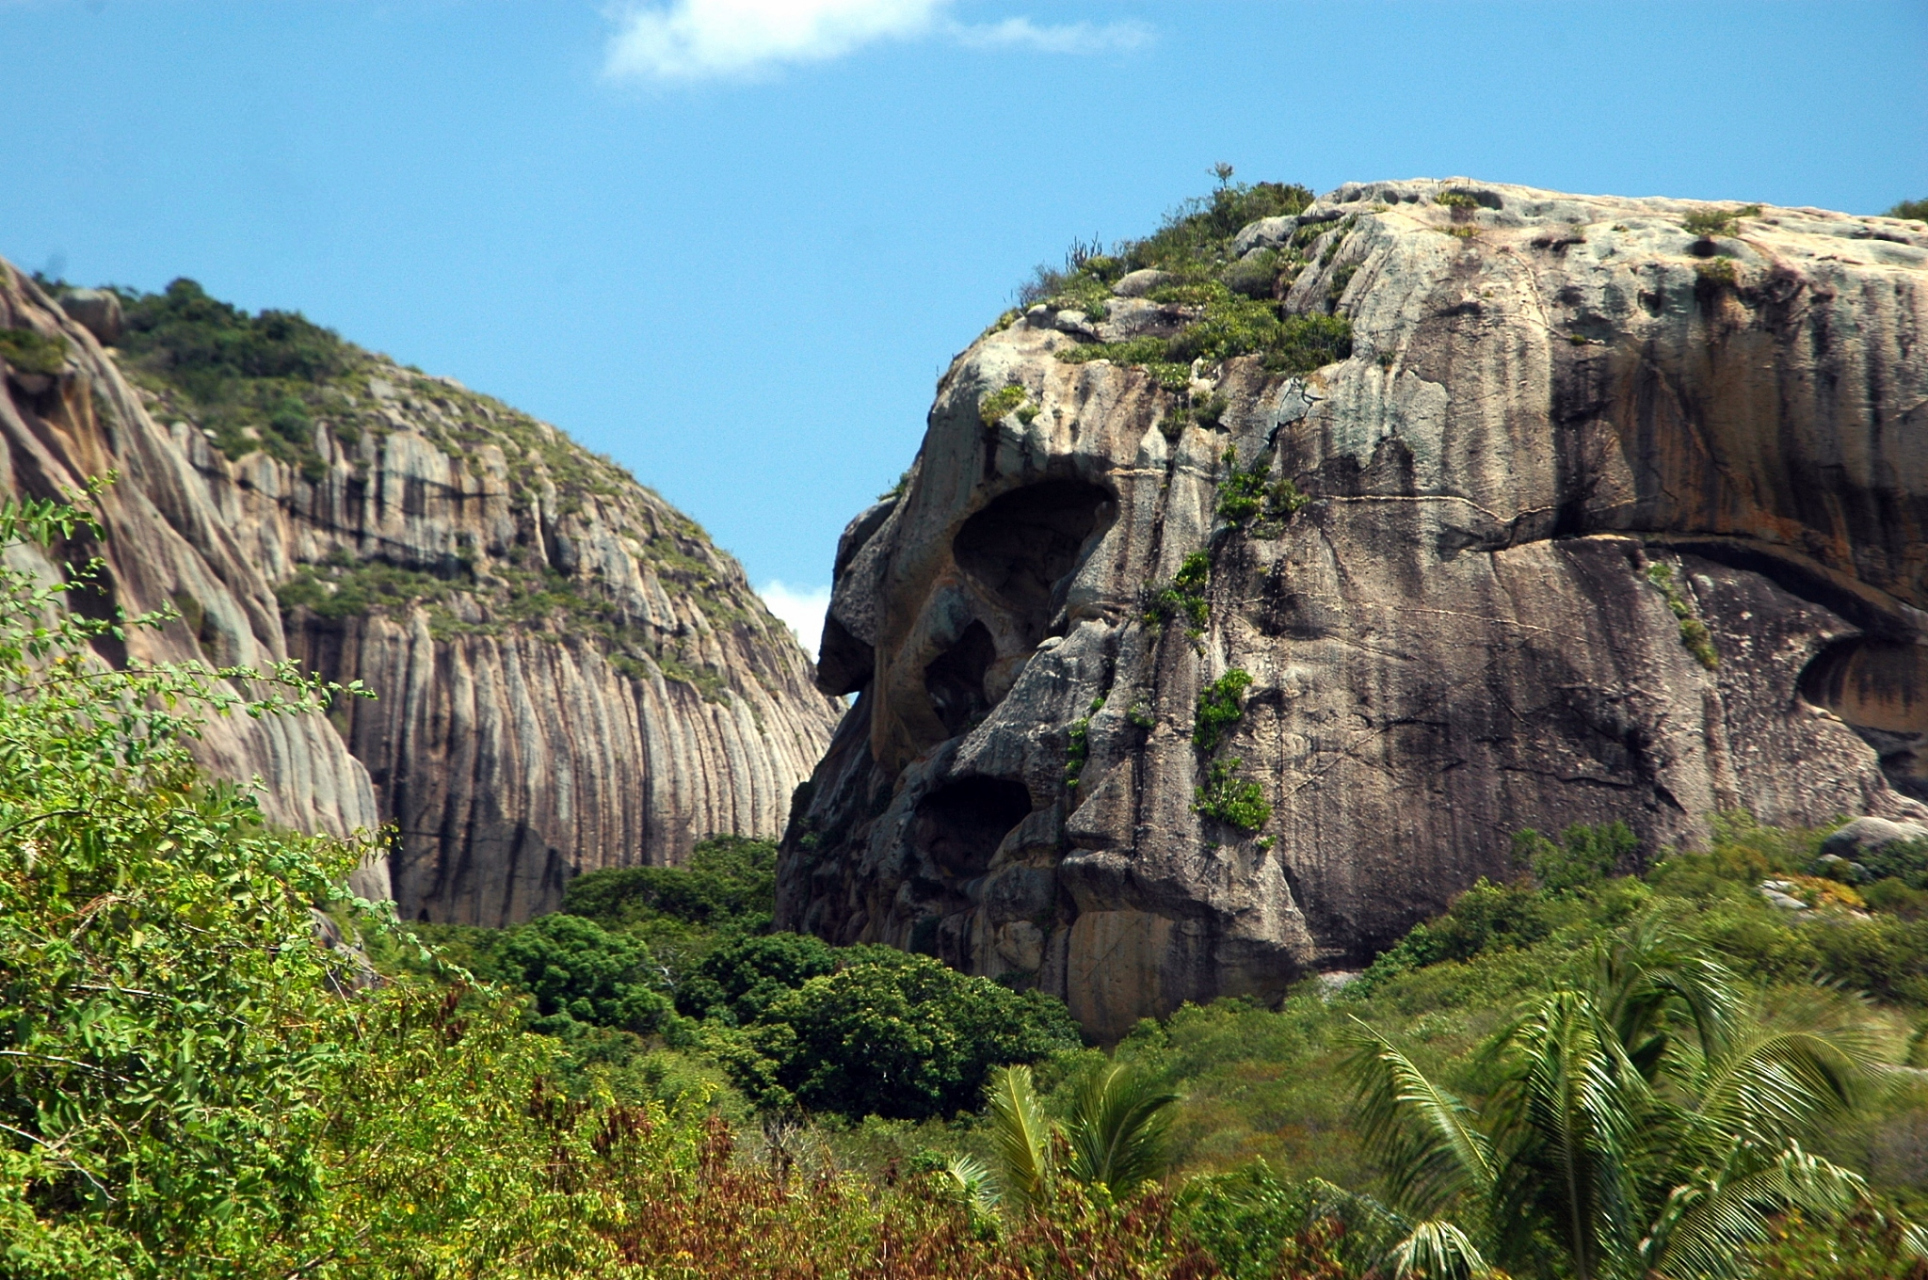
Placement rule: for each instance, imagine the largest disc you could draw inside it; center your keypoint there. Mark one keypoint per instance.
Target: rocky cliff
(1253, 588)
(569, 675)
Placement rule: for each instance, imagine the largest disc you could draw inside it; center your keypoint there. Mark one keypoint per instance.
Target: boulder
(1136, 284)
(1865, 838)
(1561, 437)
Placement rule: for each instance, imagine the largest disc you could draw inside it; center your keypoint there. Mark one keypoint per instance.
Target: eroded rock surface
(1460, 635)
(569, 675)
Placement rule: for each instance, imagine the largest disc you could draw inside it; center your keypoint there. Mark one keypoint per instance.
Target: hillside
(569, 674)
(1261, 578)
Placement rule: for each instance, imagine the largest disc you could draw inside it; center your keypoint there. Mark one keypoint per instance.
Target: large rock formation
(1608, 519)
(569, 675)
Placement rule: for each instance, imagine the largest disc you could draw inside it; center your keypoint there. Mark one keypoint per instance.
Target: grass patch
(1708, 223)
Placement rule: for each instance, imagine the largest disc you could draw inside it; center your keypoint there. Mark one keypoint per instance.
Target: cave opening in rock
(1023, 546)
(959, 826)
(955, 679)
(1880, 687)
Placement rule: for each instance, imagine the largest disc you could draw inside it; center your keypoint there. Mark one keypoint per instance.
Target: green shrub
(1708, 223)
(730, 882)
(1917, 210)
(30, 352)
(1184, 596)
(996, 405)
(1582, 857)
(1310, 342)
(1219, 708)
(892, 1034)
(578, 970)
(1456, 200)
(739, 980)
(1233, 800)
(1719, 271)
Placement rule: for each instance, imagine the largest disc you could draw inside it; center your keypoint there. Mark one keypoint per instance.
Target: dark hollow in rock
(959, 827)
(1024, 544)
(955, 679)
(1881, 688)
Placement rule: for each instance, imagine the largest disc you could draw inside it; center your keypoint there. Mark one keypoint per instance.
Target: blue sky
(733, 243)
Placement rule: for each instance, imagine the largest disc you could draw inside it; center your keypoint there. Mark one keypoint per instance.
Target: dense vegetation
(1581, 1073)
(1236, 303)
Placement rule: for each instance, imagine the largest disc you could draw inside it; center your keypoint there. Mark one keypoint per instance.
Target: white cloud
(682, 40)
(802, 608)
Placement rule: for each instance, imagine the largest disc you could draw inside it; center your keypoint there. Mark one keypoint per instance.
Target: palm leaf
(1437, 1250)
(1707, 1227)
(1118, 1126)
(1776, 1087)
(1020, 1137)
(971, 1178)
(1423, 1137)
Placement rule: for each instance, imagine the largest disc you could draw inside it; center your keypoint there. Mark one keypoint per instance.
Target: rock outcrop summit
(569, 675)
(1255, 586)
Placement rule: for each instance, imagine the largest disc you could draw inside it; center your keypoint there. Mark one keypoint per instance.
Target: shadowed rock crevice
(955, 679)
(1881, 689)
(1023, 546)
(959, 827)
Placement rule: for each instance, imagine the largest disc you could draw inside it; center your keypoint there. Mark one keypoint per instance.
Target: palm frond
(1707, 1226)
(1437, 1250)
(1653, 970)
(972, 1180)
(1780, 1086)
(1020, 1136)
(1424, 1138)
(1118, 1128)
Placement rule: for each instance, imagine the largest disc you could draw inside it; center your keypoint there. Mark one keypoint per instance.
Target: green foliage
(892, 1034)
(1246, 498)
(1708, 223)
(1077, 750)
(1118, 1129)
(28, 351)
(1642, 1123)
(1693, 632)
(577, 970)
(729, 883)
(1917, 210)
(739, 981)
(1231, 799)
(1719, 271)
(1582, 857)
(358, 588)
(1184, 596)
(1456, 200)
(1219, 708)
(996, 405)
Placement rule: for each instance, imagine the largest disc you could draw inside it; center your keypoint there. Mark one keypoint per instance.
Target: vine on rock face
(1219, 709)
(1184, 596)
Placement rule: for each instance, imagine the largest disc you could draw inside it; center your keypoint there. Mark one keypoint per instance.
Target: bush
(577, 970)
(1231, 799)
(1219, 709)
(1184, 596)
(740, 980)
(29, 352)
(893, 1034)
(1580, 859)
(730, 883)
(1917, 210)
(1708, 223)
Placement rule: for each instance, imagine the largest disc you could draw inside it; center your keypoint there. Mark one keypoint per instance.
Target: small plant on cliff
(1916, 210)
(1219, 708)
(997, 405)
(1184, 596)
(29, 352)
(1708, 223)
(1693, 632)
(1078, 745)
(1230, 798)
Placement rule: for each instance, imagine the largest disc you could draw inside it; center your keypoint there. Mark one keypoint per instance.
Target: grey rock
(1136, 284)
(1266, 233)
(1456, 639)
(95, 310)
(1865, 837)
(1777, 894)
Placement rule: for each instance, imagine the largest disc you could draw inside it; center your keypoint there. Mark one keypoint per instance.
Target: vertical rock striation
(1607, 519)
(569, 675)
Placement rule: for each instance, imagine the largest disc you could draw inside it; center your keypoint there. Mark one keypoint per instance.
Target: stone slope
(570, 676)
(1600, 519)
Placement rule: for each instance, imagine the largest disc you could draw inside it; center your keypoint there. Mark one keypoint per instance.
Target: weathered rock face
(1461, 635)
(569, 675)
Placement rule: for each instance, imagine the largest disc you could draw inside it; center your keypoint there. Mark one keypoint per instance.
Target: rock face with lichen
(569, 675)
(1181, 680)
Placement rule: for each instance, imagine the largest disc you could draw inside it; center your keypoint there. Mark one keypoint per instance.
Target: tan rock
(1459, 637)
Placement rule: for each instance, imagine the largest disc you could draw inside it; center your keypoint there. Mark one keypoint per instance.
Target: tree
(575, 969)
(895, 1035)
(1644, 1125)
